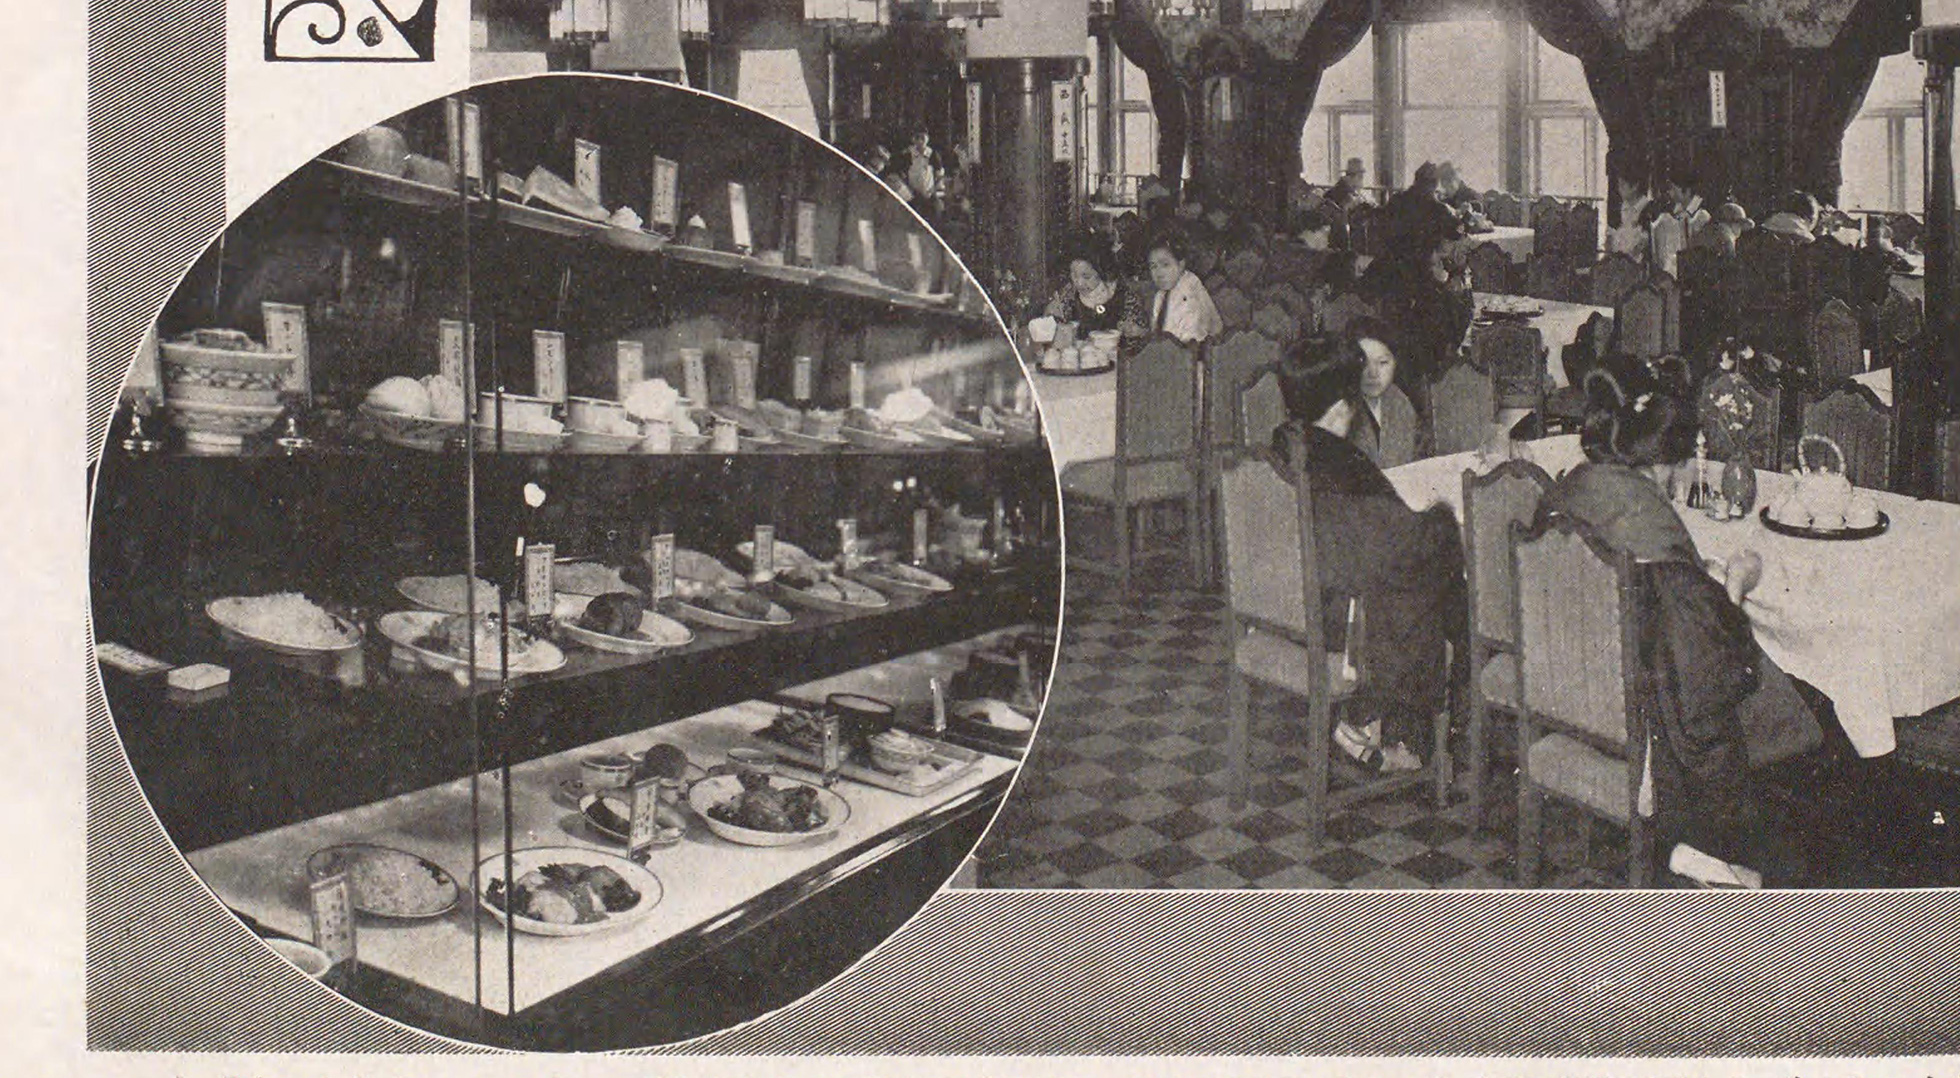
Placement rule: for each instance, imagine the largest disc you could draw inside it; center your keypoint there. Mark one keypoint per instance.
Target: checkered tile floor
(1125, 786)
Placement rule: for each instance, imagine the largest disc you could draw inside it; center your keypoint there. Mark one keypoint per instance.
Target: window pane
(1562, 163)
(1867, 173)
(1899, 81)
(1092, 139)
(1467, 137)
(1915, 151)
(1357, 140)
(1092, 84)
(1313, 149)
(1455, 63)
(1135, 86)
(1139, 144)
(1561, 77)
(1353, 79)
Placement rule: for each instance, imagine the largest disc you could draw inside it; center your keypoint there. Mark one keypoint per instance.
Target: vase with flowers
(1730, 407)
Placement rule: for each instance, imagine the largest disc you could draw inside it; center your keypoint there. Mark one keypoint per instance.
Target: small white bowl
(311, 960)
(518, 409)
(591, 415)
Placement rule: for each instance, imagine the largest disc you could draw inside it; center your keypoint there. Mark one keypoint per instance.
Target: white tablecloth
(1558, 325)
(1516, 242)
(1079, 414)
(1874, 624)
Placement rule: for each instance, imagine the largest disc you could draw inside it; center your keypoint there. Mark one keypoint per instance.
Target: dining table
(1512, 240)
(1872, 623)
(1556, 321)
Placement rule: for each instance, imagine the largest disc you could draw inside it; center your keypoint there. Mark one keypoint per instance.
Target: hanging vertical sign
(738, 218)
(1062, 96)
(285, 331)
(662, 214)
(630, 366)
(585, 169)
(694, 376)
(548, 364)
(804, 378)
(806, 233)
(455, 348)
(463, 122)
(864, 101)
(1718, 99)
(973, 103)
(857, 386)
(867, 247)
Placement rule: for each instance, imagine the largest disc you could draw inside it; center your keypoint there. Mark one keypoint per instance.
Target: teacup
(606, 771)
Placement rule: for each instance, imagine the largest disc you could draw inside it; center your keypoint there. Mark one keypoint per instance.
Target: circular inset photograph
(576, 566)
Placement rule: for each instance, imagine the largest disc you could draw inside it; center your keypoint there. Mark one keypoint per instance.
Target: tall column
(1511, 140)
(1926, 380)
(1019, 172)
(1388, 106)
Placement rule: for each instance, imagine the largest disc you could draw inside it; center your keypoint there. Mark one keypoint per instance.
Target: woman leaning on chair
(1720, 702)
(1405, 567)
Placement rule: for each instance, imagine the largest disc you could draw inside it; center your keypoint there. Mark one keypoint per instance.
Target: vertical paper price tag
(473, 141)
(645, 826)
(765, 552)
(738, 218)
(915, 252)
(973, 105)
(585, 169)
(741, 370)
(452, 129)
(548, 364)
(663, 214)
(806, 233)
(727, 437)
(921, 535)
(538, 595)
(333, 916)
(629, 367)
(847, 542)
(662, 558)
(998, 522)
(455, 350)
(285, 331)
(857, 386)
(867, 247)
(803, 379)
(1064, 123)
(694, 376)
(1718, 99)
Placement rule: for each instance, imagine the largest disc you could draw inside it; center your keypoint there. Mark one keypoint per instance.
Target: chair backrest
(1246, 269)
(1578, 643)
(1491, 269)
(1514, 354)
(1862, 427)
(1235, 363)
(1508, 494)
(1670, 293)
(1906, 229)
(1266, 513)
(1156, 403)
(1343, 309)
(1588, 348)
(1901, 317)
(1835, 353)
(1704, 312)
(1641, 321)
(1544, 215)
(1272, 322)
(1762, 438)
(1613, 277)
(1505, 209)
(1462, 404)
(1582, 232)
(1261, 409)
(1234, 309)
(1831, 268)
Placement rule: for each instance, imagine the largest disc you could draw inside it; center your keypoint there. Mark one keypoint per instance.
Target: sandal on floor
(1397, 759)
(1356, 745)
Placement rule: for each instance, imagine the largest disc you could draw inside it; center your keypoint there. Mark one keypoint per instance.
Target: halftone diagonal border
(983, 972)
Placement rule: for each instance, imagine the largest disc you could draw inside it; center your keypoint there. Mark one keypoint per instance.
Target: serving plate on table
(885, 574)
(226, 613)
(426, 433)
(444, 594)
(370, 870)
(518, 441)
(687, 610)
(491, 873)
(898, 440)
(609, 813)
(406, 627)
(714, 790)
(800, 440)
(657, 631)
(946, 763)
(1780, 528)
(856, 596)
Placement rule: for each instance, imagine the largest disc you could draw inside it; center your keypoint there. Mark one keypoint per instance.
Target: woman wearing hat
(1728, 222)
(1405, 567)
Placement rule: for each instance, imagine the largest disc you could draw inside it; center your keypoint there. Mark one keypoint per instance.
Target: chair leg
(1320, 737)
(1120, 515)
(1530, 827)
(1640, 852)
(1442, 763)
(1238, 735)
(1196, 529)
(1479, 764)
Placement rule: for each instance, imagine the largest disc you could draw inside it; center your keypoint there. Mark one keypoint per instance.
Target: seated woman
(1721, 701)
(1096, 299)
(1405, 567)
(1385, 427)
(1182, 306)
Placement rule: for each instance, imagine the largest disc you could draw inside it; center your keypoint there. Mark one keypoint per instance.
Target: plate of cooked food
(820, 589)
(442, 641)
(610, 814)
(891, 574)
(447, 594)
(786, 554)
(619, 622)
(566, 890)
(288, 623)
(589, 578)
(754, 809)
(387, 882)
(726, 608)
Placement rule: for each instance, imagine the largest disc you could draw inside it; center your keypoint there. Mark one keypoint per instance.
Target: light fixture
(582, 22)
(694, 20)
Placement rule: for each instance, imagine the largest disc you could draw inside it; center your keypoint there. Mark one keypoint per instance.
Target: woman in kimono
(1405, 567)
(1385, 426)
(1723, 709)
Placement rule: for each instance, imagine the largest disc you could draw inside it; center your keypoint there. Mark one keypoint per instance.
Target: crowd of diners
(1357, 396)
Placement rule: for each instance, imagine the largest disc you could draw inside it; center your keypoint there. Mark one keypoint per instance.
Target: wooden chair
(1835, 352)
(1640, 322)
(1855, 419)
(1275, 635)
(1246, 269)
(1763, 291)
(1509, 494)
(1764, 435)
(1585, 698)
(1159, 404)
(1582, 232)
(1235, 362)
(1462, 405)
(1612, 278)
(1492, 270)
(1261, 410)
(1545, 211)
(1506, 209)
(1234, 309)
(1831, 269)
(1514, 354)
(1343, 309)
(1704, 310)
(1272, 322)
(1900, 322)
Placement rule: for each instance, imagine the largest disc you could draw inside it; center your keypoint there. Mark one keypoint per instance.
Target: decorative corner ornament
(350, 31)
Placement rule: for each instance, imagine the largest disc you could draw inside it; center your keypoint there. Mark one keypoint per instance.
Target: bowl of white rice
(288, 623)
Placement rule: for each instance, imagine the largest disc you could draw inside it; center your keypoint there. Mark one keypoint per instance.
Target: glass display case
(586, 505)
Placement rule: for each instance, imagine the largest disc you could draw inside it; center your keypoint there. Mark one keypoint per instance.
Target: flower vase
(1739, 484)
